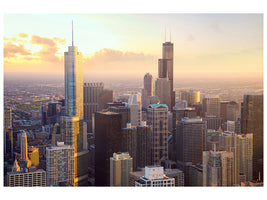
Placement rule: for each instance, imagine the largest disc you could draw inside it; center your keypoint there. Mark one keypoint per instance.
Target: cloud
(23, 35)
(111, 60)
(12, 50)
(49, 48)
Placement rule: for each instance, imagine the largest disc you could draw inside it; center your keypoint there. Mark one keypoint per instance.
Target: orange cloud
(23, 35)
(12, 50)
(49, 48)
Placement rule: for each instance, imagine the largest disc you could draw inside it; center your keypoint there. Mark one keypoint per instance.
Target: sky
(131, 44)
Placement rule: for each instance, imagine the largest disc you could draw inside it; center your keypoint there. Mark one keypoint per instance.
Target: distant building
(60, 164)
(155, 177)
(212, 105)
(95, 99)
(134, 103)
(121, 164)
(148, 89)
(213, 122)
(192, 97)
(157, 117)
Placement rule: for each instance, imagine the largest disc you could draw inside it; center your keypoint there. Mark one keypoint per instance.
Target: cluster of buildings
(152, 140)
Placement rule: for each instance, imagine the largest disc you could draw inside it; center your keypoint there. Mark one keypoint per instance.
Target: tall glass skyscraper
(72, 122)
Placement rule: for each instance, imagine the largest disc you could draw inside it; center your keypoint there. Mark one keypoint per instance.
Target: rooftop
(157, 105)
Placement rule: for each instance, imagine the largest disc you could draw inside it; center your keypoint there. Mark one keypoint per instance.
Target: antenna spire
(72, 34)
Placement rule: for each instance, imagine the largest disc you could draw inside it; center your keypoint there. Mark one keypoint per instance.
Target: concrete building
(218, 168)
(60, 164)
(213, 122)
(196, 175)
(154, 177)
(134, 103)
(27, 178)
(121, 164)
(252, 122)
(157, 117)
(177, 174)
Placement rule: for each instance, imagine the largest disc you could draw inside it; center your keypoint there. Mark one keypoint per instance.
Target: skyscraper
(144, 145)
(60, 164)
(211, 105)
(72, 122)
(108, 139)
(252, 122)
(121, 164)
(190, 142)
(134, 103)
(148, 89)
(192, 97)
(94, 100)
(24, 149)
(164, 83)
(8, 131)
(218, 168)
(157, 117)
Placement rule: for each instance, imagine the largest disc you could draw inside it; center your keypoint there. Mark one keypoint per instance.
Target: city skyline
(112, 44)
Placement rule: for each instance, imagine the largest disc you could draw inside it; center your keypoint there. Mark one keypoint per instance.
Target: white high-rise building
(121, 164)
(134, 103)
(155, 177)
(60, 164)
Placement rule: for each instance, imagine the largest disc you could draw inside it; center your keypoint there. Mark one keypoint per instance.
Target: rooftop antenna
(72, 34)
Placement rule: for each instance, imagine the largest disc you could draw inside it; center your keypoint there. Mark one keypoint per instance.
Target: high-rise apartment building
(155, 177)
(72, 123)
(30, 177)
(252, 122)
(212, 105)
(218, 168)
(94, 100)
(121, 164)
(148, 89)
(164, 83)
(60, 164)
(157, 117)
(108, 137)
(190, 142)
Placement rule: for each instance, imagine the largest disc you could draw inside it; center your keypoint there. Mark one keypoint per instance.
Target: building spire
(72, 34)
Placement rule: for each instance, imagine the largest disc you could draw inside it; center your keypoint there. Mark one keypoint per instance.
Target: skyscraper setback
(72, 122)
(164, 83)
